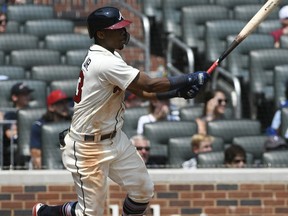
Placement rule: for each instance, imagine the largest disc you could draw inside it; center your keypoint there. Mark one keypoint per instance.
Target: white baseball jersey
(101, 89)
(98, 110)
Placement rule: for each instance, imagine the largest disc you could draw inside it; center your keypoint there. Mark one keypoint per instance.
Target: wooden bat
(253, 23)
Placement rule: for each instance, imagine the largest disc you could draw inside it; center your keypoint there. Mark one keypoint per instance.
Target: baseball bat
(253, 23)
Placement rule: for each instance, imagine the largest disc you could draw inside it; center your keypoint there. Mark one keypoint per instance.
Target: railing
(2, 123)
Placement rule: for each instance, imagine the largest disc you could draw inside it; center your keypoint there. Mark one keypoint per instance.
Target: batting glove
(198, 78)
(188, 92)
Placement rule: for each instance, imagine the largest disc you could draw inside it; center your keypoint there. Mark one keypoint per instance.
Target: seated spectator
(20, 96)
(57, 110)
(235, 157)
(3, 22)
(158, 111)
(142, 145)
(200, 143)
(214, 108)
(283, 19)
(274, 129)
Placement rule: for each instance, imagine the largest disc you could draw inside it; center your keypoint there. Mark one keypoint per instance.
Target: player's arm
(164, 88)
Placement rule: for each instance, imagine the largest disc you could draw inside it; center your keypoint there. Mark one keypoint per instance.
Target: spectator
(3, 22)
(214, 108)
(20, 95)
(158, 111)
(274, 129)
(57, 110)
(235, 157)
(283, 18)
(142, 145)
(200, 143)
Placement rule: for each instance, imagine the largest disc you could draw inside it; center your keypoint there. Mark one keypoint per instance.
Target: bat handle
(212, 67)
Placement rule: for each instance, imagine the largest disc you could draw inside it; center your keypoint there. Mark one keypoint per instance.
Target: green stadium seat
(42, 28)
(54, 72)
(25, 119)
(25, 12)
(228, 129)
(131, 117)
(267, 26)
(29, 58)
(276, 159)
(66, 42)
(51, 153)
(160, 132)
(75, 57)
(284, 41)
(12, 27)
(284, 126)
(68, 86)
(261, 70)
(13, 72)
(280, 80)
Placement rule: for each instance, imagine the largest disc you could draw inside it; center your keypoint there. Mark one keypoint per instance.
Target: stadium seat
(2, 58)
(261, 70)
(284, 41)
(276, 159)
(238, 60)
(10, 42)
(247, 11)
(38, 96)
(68, 86)
(191, 112)
(211, 160)
(12, 27)
(172, 14)
(228, 129)
(42, 28)
(13, 72)
(180, 150)
(215, 37)
(280, 81)
(54, 72)
(254, 145)
(65, 42)
(34, 57)
(131, 117)
(51, 153)
(230, 4)
(284, 125)
(216, 160)
(25, 119)
(160, 132)
(25, 12)
(75, 57)
(267, 26)
(193, 24)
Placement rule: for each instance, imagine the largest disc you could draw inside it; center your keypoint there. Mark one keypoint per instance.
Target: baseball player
(95, 147)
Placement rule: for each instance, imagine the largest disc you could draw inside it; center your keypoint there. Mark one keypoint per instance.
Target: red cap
(56, 96)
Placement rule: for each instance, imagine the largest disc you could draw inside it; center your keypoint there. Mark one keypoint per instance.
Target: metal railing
(2, 123)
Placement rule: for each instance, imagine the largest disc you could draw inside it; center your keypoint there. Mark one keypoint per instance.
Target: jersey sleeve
(120, 74)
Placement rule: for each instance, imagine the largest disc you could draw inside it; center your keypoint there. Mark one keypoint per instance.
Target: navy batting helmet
(105, 18)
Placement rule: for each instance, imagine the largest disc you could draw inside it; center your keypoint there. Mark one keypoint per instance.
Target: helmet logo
(120, 16)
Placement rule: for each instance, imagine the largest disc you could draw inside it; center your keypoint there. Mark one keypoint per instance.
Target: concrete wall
(202, 192)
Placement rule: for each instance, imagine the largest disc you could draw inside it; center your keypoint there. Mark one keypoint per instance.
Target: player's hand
(198, 78)
(188, 92)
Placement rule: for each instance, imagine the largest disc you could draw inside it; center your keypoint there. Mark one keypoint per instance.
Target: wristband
(167, 95)
(178, 81)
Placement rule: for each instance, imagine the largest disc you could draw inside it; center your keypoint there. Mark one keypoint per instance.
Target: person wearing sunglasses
(3, 22)
(214, 109)
(283, 19)
(235, 157)
(142, 145)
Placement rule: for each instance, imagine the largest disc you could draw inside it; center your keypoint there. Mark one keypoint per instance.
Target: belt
(103, 137)
(92, 138)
